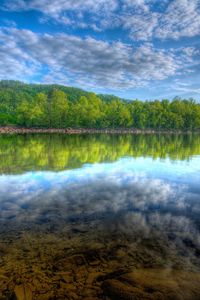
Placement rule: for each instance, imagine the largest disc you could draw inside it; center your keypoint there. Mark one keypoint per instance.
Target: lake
(99, 216)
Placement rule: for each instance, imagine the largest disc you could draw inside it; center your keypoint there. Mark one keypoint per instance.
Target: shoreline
(24, 130)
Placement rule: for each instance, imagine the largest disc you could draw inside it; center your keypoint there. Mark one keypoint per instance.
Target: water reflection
(77, 224)
(21, 153)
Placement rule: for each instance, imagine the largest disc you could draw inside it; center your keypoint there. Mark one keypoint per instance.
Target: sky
(145, 49)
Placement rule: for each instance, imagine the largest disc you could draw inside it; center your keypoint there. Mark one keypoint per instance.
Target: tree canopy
(54, 106)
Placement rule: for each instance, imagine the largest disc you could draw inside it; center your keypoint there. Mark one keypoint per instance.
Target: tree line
(52, 106)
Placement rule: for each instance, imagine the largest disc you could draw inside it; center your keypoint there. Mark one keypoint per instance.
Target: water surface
(100, 217)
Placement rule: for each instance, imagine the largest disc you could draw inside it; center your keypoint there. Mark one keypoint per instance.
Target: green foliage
(33, 105)
(57, 108)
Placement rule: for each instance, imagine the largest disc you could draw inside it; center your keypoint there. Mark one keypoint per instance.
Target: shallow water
(99, 217)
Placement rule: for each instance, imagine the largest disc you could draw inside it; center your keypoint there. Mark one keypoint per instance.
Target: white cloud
(56, 7)
(100, 63)
(188, 90)
(142, 18)
(140, 26)
(14, 61)
(181, 19)
(136, 4)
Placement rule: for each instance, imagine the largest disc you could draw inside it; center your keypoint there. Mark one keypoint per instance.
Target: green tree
(23, 113)
(57, 109)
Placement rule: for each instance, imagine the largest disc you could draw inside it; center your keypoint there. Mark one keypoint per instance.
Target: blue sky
(142, 49)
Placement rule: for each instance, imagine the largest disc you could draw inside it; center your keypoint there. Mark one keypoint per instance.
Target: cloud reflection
(117, 199)
(91, 190)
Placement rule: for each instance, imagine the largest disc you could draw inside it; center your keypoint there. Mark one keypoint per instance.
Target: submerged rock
(153, 284)
(23, 292)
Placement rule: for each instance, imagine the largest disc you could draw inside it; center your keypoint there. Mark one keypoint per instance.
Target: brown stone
(153, 284)
(23, 292)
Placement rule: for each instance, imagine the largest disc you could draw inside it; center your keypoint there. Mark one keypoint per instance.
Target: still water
(99, 217)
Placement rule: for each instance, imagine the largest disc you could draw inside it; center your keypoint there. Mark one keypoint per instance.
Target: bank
(24, 130)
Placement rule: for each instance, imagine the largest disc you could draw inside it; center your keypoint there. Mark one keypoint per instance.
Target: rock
(23, 292)
(117, 290)
(150, 284)
(113, 274)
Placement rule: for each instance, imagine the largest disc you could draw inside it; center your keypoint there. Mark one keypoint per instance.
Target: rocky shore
(24, 130)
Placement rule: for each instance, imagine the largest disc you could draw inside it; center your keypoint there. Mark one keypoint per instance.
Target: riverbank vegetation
(53, 106)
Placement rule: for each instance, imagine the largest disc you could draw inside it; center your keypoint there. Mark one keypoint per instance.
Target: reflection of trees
(20, 153)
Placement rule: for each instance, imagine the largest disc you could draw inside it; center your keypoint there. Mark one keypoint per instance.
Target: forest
(55, 106)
